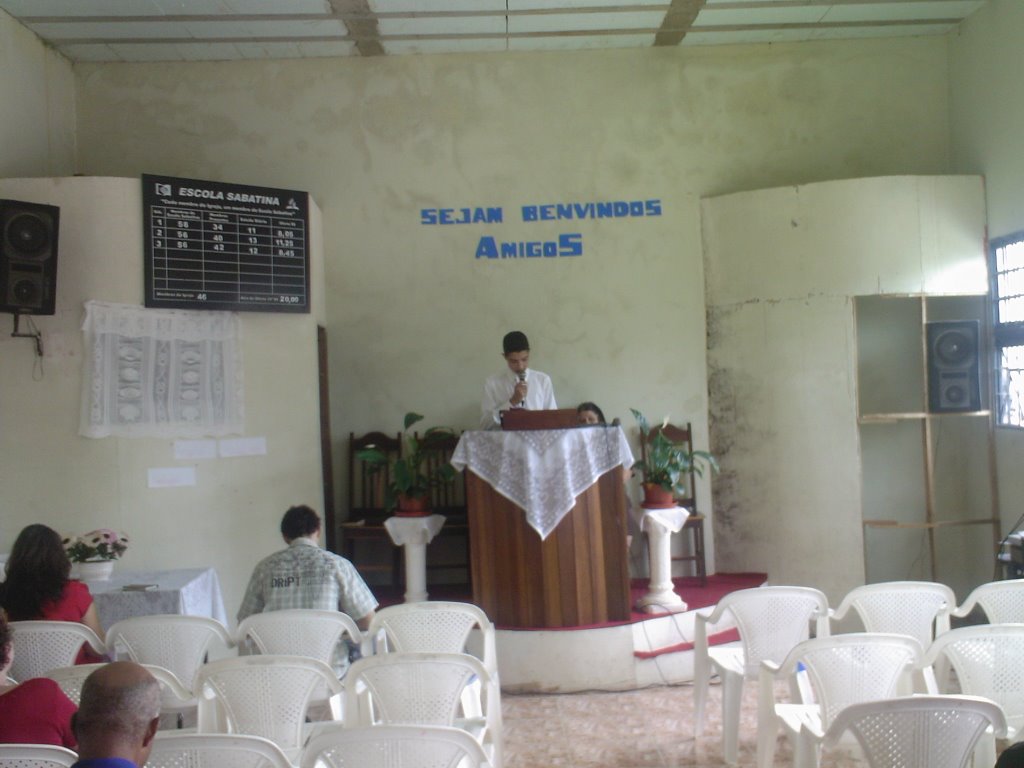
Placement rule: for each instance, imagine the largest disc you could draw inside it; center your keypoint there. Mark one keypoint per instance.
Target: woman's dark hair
(5, 639)
(589, 406)
(37, 571)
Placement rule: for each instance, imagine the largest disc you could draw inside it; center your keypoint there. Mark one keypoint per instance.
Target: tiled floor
(651, 728)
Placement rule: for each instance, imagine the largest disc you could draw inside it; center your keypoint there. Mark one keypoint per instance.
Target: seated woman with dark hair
(589, 413)
(35, 712)
(37, 586)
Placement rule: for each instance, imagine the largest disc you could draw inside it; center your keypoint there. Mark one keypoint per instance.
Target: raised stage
(646, 650)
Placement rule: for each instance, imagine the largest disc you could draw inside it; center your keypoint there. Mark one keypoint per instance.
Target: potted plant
(93, 554)
(409, 478)
(666, 465)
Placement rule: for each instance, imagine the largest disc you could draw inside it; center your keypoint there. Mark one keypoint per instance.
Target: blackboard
(211, 245)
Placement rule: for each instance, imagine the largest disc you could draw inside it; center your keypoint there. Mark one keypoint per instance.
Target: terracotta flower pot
(656, 497)
(412, 506)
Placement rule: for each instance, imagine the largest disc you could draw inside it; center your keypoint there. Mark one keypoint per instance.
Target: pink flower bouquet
(101, 544)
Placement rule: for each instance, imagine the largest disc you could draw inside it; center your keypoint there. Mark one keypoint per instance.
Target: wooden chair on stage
(364, 539)
(695, 522)
(448, 499)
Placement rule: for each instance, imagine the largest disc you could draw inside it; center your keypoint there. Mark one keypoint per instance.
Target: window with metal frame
(1006, 256)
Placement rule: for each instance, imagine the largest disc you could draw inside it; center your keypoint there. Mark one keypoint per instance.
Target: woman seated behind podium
(36, 711)
(589, 413)
(37, 586)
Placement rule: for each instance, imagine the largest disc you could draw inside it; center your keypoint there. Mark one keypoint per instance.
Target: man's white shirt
(540, 395)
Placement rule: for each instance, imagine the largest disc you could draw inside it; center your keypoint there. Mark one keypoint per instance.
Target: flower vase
(94, 570)
(412, 506)
(656, 497)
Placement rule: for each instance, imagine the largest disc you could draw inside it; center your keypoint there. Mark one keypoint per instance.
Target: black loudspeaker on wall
(954, 380)
(28, 257)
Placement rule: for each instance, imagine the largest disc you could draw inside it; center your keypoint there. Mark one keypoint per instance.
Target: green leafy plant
(409, 474)
(667, 464)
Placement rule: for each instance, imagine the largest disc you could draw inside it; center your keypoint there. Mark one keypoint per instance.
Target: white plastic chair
(1002, 601)
(841, 670)
(771, 620)
(435, 626)
(71, 680)
(394, 746)
(988, 660)
(175, 642)
(266, 695)
(918, 731)
(299, 632)
(35, 756)
(178, 643)
(214, 750)
(40, 646)
(920, 609)
(425, 689)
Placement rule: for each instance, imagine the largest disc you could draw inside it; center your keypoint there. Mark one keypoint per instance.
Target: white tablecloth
(189, 591)
(544, 470)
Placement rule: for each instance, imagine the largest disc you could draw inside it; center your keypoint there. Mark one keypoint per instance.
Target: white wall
(783, 266)
(50, 474)
(415, 321)
(37, 104)
(987, 118)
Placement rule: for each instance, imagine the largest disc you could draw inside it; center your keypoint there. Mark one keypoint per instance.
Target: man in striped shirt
(305, 576)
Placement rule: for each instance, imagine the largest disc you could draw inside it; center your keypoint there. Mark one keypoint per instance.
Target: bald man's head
(118, 712)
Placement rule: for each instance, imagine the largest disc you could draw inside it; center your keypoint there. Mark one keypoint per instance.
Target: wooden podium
(578, 575)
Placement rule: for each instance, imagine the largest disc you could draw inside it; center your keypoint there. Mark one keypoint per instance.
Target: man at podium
(516, 387)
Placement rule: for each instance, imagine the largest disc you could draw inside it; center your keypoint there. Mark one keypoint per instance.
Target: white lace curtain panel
(160, 373)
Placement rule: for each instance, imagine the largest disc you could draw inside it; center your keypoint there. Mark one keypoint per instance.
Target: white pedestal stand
(414, 533)
(659, 525)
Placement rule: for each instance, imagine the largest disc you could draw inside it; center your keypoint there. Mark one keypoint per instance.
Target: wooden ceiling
(215, 30)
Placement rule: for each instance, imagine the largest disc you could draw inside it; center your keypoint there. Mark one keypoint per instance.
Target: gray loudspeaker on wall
(28, 257)
(954, 375)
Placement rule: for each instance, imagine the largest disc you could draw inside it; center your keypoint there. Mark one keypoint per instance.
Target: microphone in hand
(520, 390)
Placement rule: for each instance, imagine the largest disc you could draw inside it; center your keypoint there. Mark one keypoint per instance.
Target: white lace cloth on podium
(160, 373)
(543, 471)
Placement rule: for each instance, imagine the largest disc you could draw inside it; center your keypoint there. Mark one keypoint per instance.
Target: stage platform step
(646, 650)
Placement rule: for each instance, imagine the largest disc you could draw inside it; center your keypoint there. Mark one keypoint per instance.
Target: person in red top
(35, 712)
(37, 585)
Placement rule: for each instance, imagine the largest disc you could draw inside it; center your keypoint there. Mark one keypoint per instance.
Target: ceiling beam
(677, 22)
(362, 25)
